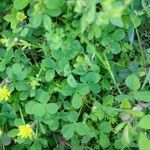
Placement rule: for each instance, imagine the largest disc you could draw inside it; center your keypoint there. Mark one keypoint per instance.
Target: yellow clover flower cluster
(4, 93)
(25, 131)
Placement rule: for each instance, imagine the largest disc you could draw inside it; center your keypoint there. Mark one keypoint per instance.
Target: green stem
(36, 131)
(34, 59)
(105, 63)
(146, 79)
(140, 44)
(21, 114)
(3, 147)
(26, 44)
(111, 74)
(40, 71)
(26, 58)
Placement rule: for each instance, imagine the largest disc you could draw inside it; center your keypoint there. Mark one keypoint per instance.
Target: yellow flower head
(25, 131)
(4, 93)
(21, 16)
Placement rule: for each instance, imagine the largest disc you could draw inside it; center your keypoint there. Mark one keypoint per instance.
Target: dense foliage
(74, 74)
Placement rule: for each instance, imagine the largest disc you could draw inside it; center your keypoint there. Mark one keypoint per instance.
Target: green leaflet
(19, 5)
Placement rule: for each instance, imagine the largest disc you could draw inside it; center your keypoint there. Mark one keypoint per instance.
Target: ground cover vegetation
(74, 74)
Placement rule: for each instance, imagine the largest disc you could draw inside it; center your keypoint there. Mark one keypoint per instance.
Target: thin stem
(34, 59)
(96, 53)
(3, 147)
(111, 74)
(26, 57)
(40, 71)
(140, 44)
(105, 63)
(146, 79)
(21, 114)
(26, 44)
(36, 130)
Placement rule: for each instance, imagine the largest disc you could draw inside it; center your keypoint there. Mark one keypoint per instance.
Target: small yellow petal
(4, 93)
(25, 131)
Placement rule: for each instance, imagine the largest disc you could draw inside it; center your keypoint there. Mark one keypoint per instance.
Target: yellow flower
(4, 93)
(25, 131)
(21, 16)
